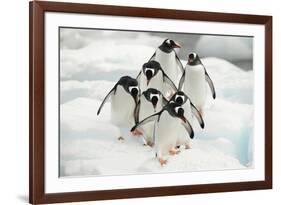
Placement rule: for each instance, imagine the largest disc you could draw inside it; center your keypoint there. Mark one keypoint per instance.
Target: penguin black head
(168, 45)
(193, 59)
(150, 69)
(130, 85)
(176, 110)
(152, 95)
(179, 97)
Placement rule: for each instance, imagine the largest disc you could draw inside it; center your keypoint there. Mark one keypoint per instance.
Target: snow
(90, 63)
(232, 49)
(89, 144)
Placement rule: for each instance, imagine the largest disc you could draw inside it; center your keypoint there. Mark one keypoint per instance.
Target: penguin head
(150, 69)
(130, 85)
(176, 110)
(179, 97)
(152, 95)
(168, 45)
(193, 59)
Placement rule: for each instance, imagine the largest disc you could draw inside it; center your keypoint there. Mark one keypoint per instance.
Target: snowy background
(91, 61)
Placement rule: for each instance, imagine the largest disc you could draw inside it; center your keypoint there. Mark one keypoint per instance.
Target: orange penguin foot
(162, 161)
(173, 151)
(136, 132)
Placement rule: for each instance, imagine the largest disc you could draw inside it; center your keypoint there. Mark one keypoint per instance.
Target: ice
(232, 49)
(98, 60)
(89, 144)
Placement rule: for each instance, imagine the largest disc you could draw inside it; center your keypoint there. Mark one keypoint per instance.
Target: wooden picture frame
(37, 10)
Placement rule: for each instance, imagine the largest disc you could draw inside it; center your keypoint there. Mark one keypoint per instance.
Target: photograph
(149, 102)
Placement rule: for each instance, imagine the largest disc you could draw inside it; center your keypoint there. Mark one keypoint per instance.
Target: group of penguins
(160, 103)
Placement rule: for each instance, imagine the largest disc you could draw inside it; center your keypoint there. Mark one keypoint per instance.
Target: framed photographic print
(139, 102)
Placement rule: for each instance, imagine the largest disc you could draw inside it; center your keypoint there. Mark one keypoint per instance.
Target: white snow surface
(89, 144)
(234, 48)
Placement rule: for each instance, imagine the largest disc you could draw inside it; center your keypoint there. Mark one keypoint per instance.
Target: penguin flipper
(188, 128)
(167, 80)
(181, 81)
(197, 114)
(210, 83)
(137, 112)
(165, 101)
(153, 56)
(138, 77)
(147, 120)
(112, 91)
(179, 63)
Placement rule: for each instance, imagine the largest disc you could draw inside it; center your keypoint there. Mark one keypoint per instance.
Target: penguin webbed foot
(136, 132)
(162, 161)
(174, 151)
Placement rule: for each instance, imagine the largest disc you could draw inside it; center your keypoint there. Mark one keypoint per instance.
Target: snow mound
(226, 47)
(99, 60)
(230, 81)
(72, 89)
(89, 146)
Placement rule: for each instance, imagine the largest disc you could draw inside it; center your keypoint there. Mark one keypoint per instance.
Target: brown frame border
(37, 9)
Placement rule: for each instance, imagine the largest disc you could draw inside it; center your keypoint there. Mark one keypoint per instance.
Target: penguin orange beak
(176, 45)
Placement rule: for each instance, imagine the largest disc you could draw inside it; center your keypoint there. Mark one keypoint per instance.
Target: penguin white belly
(122, 108)
(146, 109)
(169, 65)
(156, 82)
(166, 136)
(183, 137)
(195, 85)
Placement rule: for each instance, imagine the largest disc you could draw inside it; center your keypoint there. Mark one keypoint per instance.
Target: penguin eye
(150, 69)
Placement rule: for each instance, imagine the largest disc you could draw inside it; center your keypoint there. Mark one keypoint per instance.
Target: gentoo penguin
(193, 81)
(169, 61)
(165, 125)
(124, 97)
(189, 111)
(153, 76)
(150, 102)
